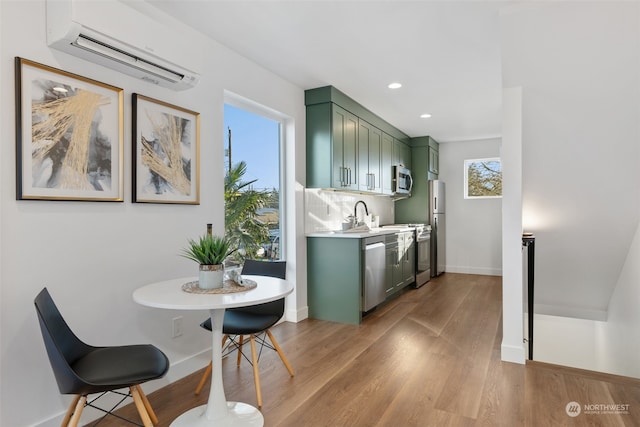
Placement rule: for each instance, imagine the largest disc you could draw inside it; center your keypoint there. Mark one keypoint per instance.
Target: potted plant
(209, 252)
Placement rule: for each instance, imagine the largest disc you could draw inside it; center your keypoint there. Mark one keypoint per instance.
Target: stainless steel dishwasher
(373, 292)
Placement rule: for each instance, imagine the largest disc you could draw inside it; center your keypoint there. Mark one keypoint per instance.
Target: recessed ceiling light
(394, 85)
(425, 115)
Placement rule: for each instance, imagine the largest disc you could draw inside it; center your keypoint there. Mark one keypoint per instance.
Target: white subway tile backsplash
(327, 209)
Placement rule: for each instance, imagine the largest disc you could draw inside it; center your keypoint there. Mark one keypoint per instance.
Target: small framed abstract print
(166, 150)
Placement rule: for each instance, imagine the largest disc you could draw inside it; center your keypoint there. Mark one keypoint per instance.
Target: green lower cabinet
(391, 256)
(408, 259)
(334, 279)
(400, 263)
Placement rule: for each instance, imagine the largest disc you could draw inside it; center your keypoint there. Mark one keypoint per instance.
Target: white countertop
(359, 234)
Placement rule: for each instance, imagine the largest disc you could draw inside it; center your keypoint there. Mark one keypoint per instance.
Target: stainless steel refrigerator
(437, 219)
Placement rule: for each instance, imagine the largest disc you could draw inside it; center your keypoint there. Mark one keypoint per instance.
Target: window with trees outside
(482, 178)
(252, 183)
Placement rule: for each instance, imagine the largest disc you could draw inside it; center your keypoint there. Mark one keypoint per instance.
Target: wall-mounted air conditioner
(117, 36)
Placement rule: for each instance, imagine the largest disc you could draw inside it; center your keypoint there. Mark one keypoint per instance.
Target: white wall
(512, 348)
(3, 77)
(474, 227)
(611, 346)
(578, 65)
(92, 255)
(619, 343)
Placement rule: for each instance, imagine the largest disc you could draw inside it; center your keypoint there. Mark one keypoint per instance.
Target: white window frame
(466, 176)
(238, 101)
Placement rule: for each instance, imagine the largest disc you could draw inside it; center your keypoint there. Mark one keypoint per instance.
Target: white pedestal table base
(238, 414)
(218, 412)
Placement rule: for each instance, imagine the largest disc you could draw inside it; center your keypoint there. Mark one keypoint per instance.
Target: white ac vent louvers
(120, 37)
(94, 46)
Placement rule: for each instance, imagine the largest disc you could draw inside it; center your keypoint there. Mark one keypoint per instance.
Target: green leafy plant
(241, 212)
(208, 250)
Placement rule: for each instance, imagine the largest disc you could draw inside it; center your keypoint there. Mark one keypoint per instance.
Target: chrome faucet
(355, 211)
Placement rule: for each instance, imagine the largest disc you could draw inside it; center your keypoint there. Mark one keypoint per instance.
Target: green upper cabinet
(369, 157)
(402, 154)
(433, 160)
(349, 147)
(332, 142)
(386, 164)
(345, 149)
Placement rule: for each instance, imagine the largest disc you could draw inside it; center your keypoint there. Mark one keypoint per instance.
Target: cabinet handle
(373, 181)
(350, 180)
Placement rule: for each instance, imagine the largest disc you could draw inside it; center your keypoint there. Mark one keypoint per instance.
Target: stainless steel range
(423, 254)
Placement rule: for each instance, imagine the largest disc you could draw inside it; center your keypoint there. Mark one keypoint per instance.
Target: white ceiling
(446, 54)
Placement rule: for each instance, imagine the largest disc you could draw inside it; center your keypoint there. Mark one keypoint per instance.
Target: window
(482, 178)
(253, 202)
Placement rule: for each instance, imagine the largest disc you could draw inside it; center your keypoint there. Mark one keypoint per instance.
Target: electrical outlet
(177, 327)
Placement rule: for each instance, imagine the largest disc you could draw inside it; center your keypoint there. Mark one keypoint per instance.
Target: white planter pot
(211, 276)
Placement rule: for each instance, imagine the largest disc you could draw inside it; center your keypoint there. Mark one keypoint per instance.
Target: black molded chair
(81, 369)
(253, 321)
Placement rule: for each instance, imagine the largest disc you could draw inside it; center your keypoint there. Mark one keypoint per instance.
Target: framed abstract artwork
(69, 136)
(166, 152)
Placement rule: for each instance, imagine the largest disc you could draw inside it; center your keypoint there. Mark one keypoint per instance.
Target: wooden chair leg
(256, 374)
(203, 380)
(207, 371)
(142, 410)
(78, 406)
(147, 405)
(72, 406)
(280, 352)
(239, 359)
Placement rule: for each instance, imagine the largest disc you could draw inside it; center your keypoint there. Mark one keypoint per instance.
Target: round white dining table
(169, 295)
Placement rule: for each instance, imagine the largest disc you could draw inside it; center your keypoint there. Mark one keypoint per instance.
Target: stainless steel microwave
(402, 181)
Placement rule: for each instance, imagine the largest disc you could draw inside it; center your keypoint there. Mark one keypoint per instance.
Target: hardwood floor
(430, 357)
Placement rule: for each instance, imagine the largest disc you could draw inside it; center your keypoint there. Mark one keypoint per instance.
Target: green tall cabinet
(424, 161)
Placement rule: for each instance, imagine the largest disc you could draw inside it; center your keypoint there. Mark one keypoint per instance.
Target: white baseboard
(513, 353)
(296, 316)
(483, 271)
(573, 312)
